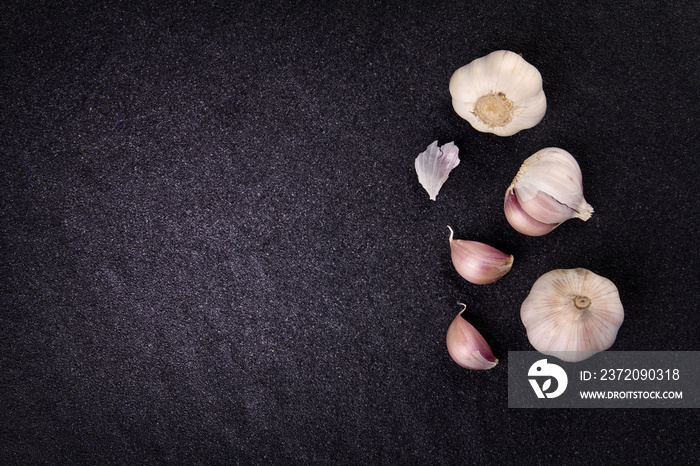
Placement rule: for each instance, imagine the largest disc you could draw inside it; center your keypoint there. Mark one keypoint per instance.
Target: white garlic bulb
(466, 345)
(546, 191)
(572, 314)
(500, 93)
(434, 166)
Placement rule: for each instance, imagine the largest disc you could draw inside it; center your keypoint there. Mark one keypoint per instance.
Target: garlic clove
(434, 165)
(549, 189)
(544, 208)
(478, 263)
(572, 314)
(521, 221)
(500, 93)
(467, 347)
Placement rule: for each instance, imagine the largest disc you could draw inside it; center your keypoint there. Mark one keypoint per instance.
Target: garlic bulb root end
(494, 109)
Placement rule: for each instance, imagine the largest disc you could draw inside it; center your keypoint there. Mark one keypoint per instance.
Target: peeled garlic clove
(477, 262)
(500, 93)
(434, 166)
(572, 314)
(467, 347)
(521, 221)
(548, 189)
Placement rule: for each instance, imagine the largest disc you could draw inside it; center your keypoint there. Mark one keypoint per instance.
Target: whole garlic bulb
(546, 191)
(466, 345)
(572, 314)
(500, 93)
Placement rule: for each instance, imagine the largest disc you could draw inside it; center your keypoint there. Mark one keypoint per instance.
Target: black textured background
(215, 248)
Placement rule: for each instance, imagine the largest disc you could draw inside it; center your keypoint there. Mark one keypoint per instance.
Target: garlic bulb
(477, 262)
(500, 93)
(572, 314)
(546, 191)
(466, 345)
(434, 166)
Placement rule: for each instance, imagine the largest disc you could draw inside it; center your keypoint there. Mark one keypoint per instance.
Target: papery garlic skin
(434, 165)
(478, 263)
(467, 347)
(572, 314)
(500, 93)
(546, 191)
(521, 221)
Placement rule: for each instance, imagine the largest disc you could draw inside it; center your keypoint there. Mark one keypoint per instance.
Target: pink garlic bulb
(546, 191)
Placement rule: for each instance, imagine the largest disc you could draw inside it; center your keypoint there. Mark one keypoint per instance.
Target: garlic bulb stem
(582, 302)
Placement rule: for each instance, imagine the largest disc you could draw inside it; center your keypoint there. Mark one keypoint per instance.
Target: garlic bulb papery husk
(434, 166)
(478, 263)
(466, 345)
(546, 191)
(572, 314)
(521, 221)
(500, 93)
